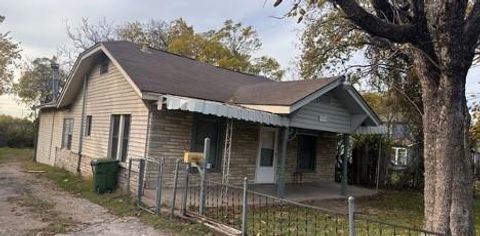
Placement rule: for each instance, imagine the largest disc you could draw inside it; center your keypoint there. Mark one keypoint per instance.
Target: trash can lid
(103, 160)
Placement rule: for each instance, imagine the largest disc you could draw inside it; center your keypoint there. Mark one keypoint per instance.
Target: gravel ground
(33, 206)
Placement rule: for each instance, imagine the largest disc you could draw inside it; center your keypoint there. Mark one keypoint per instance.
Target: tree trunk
(448, 191)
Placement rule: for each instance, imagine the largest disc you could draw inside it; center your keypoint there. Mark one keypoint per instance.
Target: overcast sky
(40, 25)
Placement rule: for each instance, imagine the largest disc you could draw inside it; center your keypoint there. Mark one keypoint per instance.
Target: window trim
(88, 126)
(313, 168)
(120, 138)
(220, 138)
(66, 142)
(396, 157)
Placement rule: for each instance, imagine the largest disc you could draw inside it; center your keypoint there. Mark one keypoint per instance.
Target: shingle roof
(279, 93)
(166, 73)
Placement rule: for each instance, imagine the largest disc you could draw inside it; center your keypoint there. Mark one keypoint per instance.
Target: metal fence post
(129, 175)
(185, 192)
(141, 170)
(174, 195)
(244, 208)
(158, 195)
(351, 216)
(203, 176)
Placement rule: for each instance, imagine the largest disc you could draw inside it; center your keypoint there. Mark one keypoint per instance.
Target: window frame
(313, 159)
(396, 158)
(121, 152)
(88, 126)
(220, 126)
(67, 133)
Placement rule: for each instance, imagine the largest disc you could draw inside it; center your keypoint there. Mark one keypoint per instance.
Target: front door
(265, 172)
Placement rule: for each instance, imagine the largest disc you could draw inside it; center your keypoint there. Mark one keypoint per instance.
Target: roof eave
(86, 54)
(325, 89)
(359, 99)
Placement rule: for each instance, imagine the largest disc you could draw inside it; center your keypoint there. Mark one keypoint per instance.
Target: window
(88, 126)
(212, 127)
(267, 149)
(400, 156)
(67, 133)
(306, 155)
(119, 134)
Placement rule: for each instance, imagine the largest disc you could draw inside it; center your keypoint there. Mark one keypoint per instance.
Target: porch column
(281, 163)
(346, 154)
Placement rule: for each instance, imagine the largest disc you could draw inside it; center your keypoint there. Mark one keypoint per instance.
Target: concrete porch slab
(300, 192)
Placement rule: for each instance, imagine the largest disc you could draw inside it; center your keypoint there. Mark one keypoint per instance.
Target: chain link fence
(171, 187)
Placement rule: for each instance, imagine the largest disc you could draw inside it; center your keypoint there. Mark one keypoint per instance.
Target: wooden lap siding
(107, 94)
(327, 113)
(44, 138)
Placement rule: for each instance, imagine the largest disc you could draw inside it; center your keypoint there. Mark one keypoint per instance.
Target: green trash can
(105, 175)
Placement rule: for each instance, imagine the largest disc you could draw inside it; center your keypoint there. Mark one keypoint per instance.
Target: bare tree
(86, 34)
(83, 36)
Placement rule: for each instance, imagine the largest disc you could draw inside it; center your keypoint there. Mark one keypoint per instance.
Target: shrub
(16, 132)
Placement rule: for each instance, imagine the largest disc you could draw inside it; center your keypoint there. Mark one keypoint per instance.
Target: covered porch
(315, 191)
(272, 134)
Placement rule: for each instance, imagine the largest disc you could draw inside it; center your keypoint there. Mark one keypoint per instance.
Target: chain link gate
(156, 182)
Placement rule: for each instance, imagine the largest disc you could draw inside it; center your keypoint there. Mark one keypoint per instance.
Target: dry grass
(117, 203)
(45, 211)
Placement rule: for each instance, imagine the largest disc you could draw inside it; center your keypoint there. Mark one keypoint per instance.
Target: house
(124, 101)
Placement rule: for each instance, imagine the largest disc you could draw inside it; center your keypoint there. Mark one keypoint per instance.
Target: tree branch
(374, 25)
(419, 10)
(384, 10)
(471, 29)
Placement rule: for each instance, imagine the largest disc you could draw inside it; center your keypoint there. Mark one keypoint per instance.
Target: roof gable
(163, 73)
(82, 67)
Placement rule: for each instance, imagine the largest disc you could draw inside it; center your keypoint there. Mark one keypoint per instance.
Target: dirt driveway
(33, 206)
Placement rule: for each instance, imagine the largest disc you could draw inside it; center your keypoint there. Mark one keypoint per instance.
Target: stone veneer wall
(170, 136)
(68, 160)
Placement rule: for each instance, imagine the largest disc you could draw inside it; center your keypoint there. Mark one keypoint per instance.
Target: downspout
(82, 123)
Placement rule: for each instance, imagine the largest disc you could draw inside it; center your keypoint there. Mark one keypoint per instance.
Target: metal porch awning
(171, 102)
(371, 130)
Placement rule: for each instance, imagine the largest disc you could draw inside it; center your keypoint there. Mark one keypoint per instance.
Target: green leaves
(230, 46)
(9, 53)
(35, 83)
(328, 42)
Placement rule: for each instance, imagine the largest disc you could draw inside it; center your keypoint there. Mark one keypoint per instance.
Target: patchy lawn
(403, 207)
(117, 203)
(397, 207)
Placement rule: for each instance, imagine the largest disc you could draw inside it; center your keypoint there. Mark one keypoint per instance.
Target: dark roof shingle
(279, 93)
(166, 73)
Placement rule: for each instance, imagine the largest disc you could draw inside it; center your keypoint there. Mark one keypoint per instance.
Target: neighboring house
(404, 149)
(123, 101)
